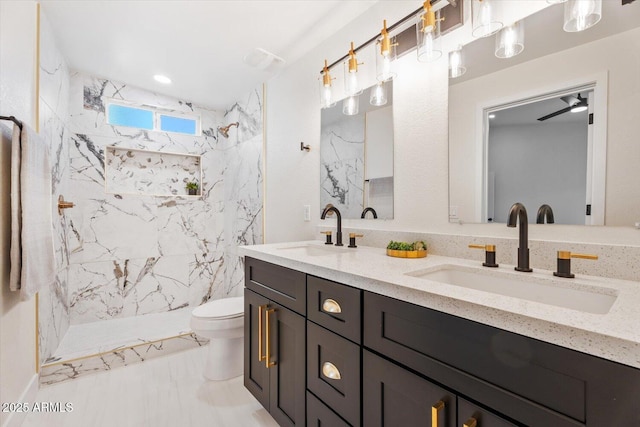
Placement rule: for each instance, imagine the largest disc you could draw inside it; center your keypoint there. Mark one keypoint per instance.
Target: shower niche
(151, 173)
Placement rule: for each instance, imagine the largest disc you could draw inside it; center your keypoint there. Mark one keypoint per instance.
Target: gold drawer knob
(330, 371)
(331, 306)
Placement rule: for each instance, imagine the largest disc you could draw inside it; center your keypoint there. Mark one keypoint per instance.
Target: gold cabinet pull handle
(260, 309)
(331, 306)
(330, 371)
(471, 422)
(268, 363)
(436, 410)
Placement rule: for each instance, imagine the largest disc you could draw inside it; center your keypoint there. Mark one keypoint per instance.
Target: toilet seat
(220, 309)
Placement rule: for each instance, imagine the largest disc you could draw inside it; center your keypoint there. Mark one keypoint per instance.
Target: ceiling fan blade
(557, 113)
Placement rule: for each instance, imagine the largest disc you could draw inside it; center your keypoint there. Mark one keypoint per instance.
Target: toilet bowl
(222, 322)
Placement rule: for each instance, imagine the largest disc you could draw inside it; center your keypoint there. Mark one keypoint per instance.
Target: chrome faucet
(518, 211)
(369, 209)
(544, 212)
(332, 208)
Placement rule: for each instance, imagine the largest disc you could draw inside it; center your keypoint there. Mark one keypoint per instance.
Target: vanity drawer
(394, 396)
(334, 306)
(516, 375)
(329, 355)
(319, 414)
(280, 284)
(472, 415)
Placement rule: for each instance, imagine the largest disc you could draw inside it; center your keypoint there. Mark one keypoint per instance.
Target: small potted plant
(192, 188)
(407, 250)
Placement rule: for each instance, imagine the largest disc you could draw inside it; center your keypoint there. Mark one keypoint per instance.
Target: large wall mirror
(356, 157)
(514, 138)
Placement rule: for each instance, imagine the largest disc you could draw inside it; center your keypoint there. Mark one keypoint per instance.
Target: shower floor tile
(109, 335)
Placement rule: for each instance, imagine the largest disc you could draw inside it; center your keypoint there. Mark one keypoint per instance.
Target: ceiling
(200, 45)
(528, 114)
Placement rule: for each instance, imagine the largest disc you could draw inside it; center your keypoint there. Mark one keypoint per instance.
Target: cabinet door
(319, 414)
(286, 345)
(393, 396)
(471, 415)
(256, 375)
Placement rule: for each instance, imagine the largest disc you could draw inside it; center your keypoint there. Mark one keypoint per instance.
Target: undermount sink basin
(315, 250)
(589, 299)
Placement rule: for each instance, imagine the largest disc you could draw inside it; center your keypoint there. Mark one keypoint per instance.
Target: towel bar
(62, 204)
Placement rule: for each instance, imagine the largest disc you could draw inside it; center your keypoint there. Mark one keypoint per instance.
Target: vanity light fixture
(351, 83)
(378, 95)
(162, 79)
(326, 99)
(428, 34)
(386, 55)
(350, 105)
(510, 40)
(484, 23)
(581, 14)
(456, 63)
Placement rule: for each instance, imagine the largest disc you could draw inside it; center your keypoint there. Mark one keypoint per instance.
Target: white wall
(17, 98)
(579, 64)
(548, 160)
(379, 143)
(421, 141)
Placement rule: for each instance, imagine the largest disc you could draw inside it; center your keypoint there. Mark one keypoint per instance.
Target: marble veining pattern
(132, 254)
(342, 165)
(73, 369)
(53, 308)
(153, 173)
(243, 187)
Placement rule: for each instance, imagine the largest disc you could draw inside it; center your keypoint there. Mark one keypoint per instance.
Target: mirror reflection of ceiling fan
(575, 104)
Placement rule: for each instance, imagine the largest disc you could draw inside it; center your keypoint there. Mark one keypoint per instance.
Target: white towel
(36, 234)
(16, 212)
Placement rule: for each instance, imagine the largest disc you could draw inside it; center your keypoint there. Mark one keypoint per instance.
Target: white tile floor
(168, 391)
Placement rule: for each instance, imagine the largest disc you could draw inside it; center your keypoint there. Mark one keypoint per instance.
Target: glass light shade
(378, 96)
(510, 40)
(484, 22)
(350, 105)
(351, 81)
(429, 40)
(384, 63)
(581, 14)
(456, 63)
(326, 96)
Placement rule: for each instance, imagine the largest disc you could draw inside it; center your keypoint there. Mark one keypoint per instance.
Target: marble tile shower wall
(342, 165)
(243, 190)
(53, 309)
(137, 254)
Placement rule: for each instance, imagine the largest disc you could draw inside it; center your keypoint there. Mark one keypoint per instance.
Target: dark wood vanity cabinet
(274, 343)
(393, 363)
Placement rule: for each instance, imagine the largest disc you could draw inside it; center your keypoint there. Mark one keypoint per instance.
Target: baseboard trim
(16, 419)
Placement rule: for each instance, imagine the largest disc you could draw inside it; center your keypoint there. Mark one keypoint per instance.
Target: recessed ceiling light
(162, 79)
(492, 116)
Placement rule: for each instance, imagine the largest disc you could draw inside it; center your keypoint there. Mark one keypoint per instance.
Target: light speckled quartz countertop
(614, 335)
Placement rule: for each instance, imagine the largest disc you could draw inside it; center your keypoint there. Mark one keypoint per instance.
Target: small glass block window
(178, 124)
(122, 115)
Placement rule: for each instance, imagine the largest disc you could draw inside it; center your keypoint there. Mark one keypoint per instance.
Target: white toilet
(222, 321)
